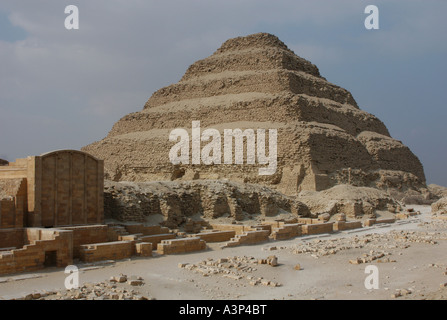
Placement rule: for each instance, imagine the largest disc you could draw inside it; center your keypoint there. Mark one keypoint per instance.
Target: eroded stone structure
(61, 187)
(257, 82)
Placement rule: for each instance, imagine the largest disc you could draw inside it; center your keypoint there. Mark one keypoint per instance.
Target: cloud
(79, 82)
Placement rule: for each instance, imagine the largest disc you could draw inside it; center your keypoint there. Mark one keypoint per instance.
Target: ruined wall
(143, 249)
(181, 245)
(248, 237)
(157, 238)
(104, 251)
(13, 202)
(47, 247)
(63, 188)
(145, 230)
(10, 238)
(177, 202)
(343, 225)
(87, 235)
(70, 189)
(286, 231)
(216, 236)
(309, 229)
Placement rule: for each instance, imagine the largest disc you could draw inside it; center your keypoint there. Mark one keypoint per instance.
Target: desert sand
(409, 254)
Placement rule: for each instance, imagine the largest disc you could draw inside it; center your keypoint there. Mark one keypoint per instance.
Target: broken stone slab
(135, 282)
(272, 261)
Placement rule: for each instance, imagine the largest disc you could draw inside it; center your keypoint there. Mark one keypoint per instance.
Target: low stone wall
(240, 228)
(248, 237)
(308, 229)
(12, 238)
(130, 237)
(392, 220)
(251, 237)
(145, 230)
(267, 227)
(116, 250)
(309, 221)
(343, 225)
(157, 238)
(181, 245)
(216, 236)
(286, 231)
(237, 228)
(405, 215)
(87, 235)
(47, 248)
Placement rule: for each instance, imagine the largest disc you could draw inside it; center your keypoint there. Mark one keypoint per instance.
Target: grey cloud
(69, 87)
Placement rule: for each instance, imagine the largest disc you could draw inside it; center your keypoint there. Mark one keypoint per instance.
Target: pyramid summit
(256, 82)
(256, 63)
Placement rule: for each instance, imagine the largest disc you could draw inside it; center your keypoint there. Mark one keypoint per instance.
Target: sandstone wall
(61, 188)
(216, 236)
(309, 229)
(86, 235)
(287, 231)
(117, 250)
(13, 202)
(12, 238)
(181, 245)
(46, 247)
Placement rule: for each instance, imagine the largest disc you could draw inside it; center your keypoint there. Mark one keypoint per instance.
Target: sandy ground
(415, 264)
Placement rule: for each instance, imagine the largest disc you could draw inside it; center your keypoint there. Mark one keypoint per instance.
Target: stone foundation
(286, 231)
(143, 249)
(45, 247)
(216, 236)
(343, 225)
(104, 251)
(181, 245)
(309, 229)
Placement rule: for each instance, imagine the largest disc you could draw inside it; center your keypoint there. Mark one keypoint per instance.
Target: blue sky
(63, 89)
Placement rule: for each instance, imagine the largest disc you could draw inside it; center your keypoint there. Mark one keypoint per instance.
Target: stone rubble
(401, 293)
(107, 290)
(236, 268)
(379, 244)
(372, 256)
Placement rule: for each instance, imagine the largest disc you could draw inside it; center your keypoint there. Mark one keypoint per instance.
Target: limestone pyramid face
(256, 82)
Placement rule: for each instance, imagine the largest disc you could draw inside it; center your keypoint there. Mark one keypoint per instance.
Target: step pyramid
(257, 82)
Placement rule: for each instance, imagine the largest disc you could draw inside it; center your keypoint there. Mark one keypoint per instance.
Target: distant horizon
(64, 89)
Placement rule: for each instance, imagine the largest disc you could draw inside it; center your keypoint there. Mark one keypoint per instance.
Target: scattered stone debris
(235, 268)
(107, 290)
(401, 293)
(381, 242)
(372, 256)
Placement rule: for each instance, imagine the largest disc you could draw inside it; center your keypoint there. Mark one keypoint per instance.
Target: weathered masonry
(59, 188)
